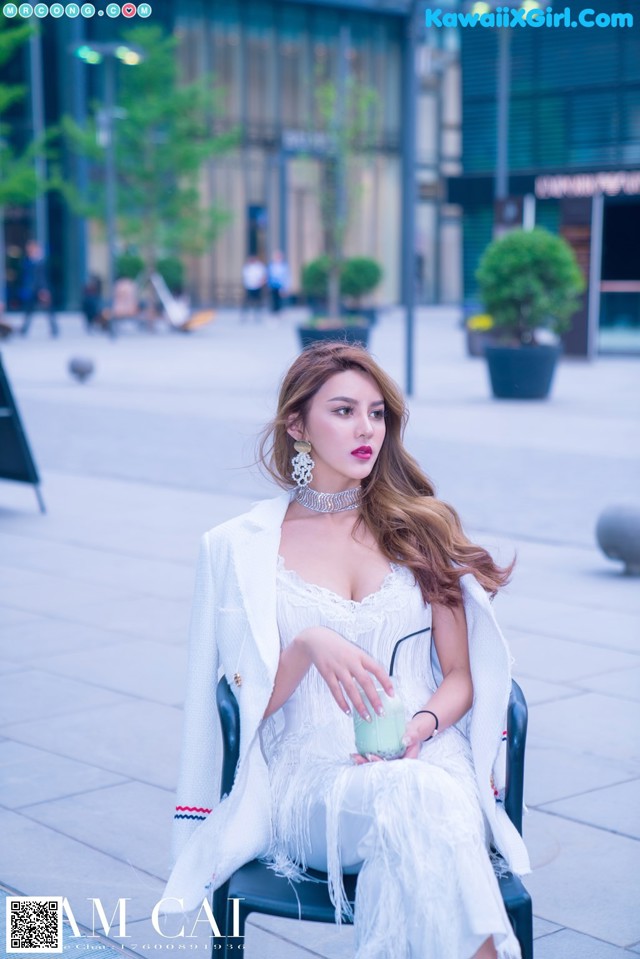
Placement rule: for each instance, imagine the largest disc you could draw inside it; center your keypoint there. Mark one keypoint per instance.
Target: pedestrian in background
(35, 292)
(254, 277)
(93, 304)
(279, 279)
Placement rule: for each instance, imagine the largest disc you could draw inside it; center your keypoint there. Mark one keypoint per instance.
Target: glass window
(594, 128)
(479, 137)
(259, 56)
(385, 57)
(427, 132)
(550, 142)
(480, 57)
(524, 44)
(359, 51)
(478, 227)
(631, 126)
(325, 32)
(600, 63)
(557, 68)
(295, 80)
(630, 61)
(548, 215)
(520, 133)
(225, 58)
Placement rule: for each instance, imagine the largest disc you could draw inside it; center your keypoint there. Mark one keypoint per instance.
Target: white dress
(413, 829)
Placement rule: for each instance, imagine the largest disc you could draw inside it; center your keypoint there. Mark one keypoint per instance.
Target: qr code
(34, 924)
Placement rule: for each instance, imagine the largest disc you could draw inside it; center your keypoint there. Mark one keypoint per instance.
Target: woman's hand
(345, 667)
(418, 730)
(369, 758)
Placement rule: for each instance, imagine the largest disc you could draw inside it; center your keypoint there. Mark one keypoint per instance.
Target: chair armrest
(229, 714)
(517, 717)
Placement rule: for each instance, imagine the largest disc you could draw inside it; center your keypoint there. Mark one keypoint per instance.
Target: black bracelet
(436, 719)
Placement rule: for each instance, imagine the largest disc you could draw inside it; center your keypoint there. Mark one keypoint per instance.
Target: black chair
(260, 890)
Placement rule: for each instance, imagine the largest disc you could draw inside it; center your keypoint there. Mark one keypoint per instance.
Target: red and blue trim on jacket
(191, 812)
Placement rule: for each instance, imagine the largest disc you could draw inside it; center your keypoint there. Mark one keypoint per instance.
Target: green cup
(383, 735)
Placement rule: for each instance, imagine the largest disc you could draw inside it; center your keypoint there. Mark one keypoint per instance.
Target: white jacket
(234, 631)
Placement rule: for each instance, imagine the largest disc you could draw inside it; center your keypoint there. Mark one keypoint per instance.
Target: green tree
(163, 138)
(529, 279)
(344, 110)
(18, 182)
(17, 170)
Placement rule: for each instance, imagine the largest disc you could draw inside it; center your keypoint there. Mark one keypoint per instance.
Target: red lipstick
(362, 452)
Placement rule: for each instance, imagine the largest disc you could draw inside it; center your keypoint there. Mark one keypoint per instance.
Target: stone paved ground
(94, 606)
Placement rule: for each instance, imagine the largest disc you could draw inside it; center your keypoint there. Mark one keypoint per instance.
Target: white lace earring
(302, 464)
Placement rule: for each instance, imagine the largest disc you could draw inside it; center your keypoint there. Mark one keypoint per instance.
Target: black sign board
(16, 461)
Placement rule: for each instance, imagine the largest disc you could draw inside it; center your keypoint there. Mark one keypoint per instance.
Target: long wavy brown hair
(399, 505)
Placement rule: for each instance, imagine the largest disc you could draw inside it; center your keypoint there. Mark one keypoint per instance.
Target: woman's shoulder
(263, 514)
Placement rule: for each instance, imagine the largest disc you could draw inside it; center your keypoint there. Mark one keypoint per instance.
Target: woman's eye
(346, 410)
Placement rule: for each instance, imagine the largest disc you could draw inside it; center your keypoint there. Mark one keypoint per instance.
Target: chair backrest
(517, 714)
(229, 713)
(517, 718)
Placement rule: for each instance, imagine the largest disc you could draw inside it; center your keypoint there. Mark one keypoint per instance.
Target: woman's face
(345, 426)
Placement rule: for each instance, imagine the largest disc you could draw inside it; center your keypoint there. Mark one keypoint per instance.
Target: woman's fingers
(347, 670)
(333, 680)
(358, 759)
(335, 688)
(380, 673)
(363, 760)
(411, 740)
(340, 680)
(352, 689)
(367, 685)
(371, 669)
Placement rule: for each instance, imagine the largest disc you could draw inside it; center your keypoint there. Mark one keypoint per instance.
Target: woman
(302, 602)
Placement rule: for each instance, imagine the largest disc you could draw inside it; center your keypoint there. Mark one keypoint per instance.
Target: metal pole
(409, 95)
(595, 275)
(37, 123)
(110, 170)
(283, 204)
(437, 246)
(503, 94)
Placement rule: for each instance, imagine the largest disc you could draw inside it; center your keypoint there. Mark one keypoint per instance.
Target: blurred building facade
(574, 106)
(574, 148)
(267, 56)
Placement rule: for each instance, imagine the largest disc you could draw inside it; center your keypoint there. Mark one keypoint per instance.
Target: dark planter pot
(521, 372)
(342, 334)
(320, 307)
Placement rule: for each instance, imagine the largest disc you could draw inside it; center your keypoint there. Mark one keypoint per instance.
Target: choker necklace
(329, 502)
